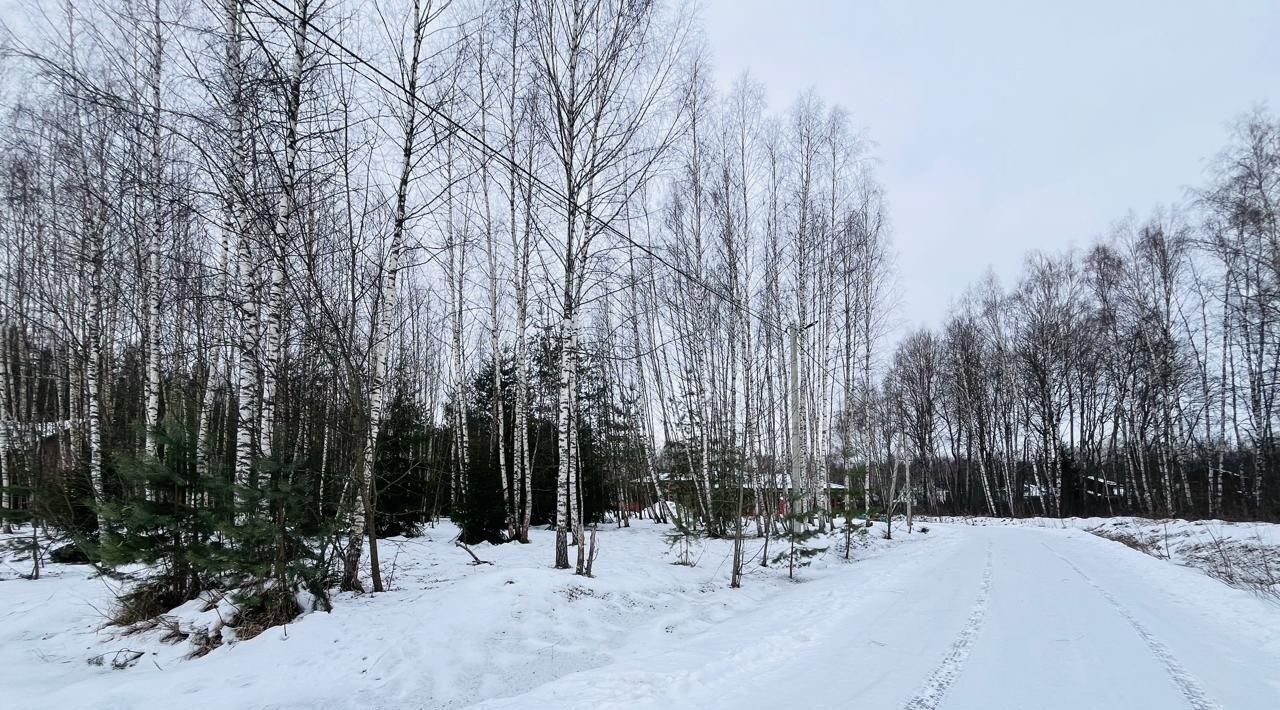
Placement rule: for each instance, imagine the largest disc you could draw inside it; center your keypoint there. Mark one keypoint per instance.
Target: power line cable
(478, 141)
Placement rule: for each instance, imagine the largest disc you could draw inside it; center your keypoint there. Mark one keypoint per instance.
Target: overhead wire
(561, 208)
(565, 201)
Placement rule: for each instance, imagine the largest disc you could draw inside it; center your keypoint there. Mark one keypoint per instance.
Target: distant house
(679, 487)
(1093, 486)
(1102, 488)
(16, 436)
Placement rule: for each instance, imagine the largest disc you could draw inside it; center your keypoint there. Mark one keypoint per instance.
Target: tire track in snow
(934, 690)
(1195, 695)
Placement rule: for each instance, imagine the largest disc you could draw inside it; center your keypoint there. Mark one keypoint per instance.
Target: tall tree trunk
(246, 265)
(364, 521)
(152, 384)
(278, 254)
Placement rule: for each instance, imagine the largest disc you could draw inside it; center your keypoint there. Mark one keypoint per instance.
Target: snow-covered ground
(965, 616)
(447, 633)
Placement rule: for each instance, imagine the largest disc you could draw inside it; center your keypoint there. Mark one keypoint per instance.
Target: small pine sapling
(680, 537)
(798, 537)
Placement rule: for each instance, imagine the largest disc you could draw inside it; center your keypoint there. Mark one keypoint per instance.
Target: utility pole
(797, 443)
(797, 452)
(910, 493)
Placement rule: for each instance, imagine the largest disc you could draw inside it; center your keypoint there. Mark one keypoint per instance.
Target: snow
(1065, 619)
(446, 635)
(1243, 554)
(986, 616)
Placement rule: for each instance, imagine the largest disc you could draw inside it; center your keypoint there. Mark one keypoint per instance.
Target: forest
(281, 278)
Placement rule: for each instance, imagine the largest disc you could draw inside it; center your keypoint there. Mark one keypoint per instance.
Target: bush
(69, 555)
(159, 524)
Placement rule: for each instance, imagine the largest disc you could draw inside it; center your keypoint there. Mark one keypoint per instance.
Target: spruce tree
(401, 470)
(165, 518)
(201, 533)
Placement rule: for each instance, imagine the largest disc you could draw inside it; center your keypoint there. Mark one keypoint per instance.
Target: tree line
(1135, 376)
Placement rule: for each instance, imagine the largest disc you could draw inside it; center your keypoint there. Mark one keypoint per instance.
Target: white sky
(1009, 126)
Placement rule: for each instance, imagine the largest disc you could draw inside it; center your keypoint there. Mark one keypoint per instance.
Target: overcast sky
(1009, 126)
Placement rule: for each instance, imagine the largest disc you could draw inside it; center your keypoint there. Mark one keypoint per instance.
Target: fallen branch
(120, 659)
(477, 561)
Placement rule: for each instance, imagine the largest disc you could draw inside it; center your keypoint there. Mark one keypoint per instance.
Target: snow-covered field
(965, 616)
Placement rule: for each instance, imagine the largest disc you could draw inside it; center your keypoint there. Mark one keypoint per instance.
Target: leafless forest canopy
(279, 277)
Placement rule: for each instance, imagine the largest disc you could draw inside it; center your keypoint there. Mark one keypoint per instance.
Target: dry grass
(1249, 565)
(141, 608)
(204, 640)
(1244, 564)
(261, 611)
(173, 632)
(1149, 545)
(119, 659)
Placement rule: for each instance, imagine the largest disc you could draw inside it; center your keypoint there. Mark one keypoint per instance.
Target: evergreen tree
(157, 522)
(798, 536)
(401, 470)
(481, 513)
(201, 533)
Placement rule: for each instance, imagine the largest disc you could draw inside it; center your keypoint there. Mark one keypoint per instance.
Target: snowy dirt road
(979, 617)
(1003, 615)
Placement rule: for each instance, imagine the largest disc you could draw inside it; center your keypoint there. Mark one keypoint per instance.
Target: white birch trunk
(152, 384)
(279, 252)
(246, 268)
(457, 269)
(645, 425)
(6, 422)
(216, 375)
(564, 480)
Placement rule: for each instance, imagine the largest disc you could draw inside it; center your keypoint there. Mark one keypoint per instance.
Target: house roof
(769, 481)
